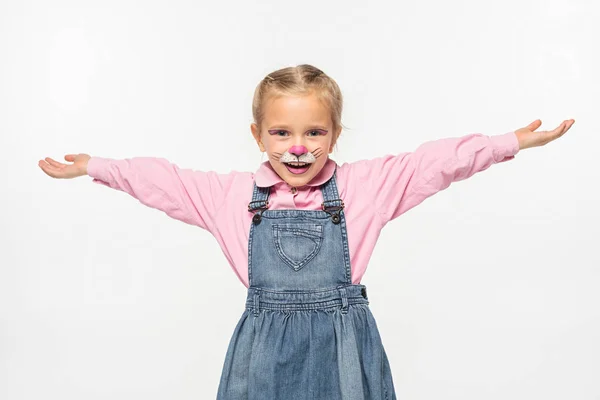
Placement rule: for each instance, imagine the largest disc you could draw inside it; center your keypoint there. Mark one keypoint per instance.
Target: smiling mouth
(297, 167)
(297, 164)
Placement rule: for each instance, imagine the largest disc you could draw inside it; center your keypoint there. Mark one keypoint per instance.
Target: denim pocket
(297, 243)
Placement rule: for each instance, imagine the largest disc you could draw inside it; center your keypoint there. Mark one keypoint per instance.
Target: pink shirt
(374, 191)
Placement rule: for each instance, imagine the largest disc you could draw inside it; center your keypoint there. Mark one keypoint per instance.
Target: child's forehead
(307, 107)
(282, 99)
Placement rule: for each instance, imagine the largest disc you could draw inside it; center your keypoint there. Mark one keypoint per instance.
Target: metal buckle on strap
(258, 215)
(335, 215)
(262, 207)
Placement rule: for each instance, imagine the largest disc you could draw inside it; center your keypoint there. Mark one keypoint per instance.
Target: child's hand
(528, 138)
(56, 169)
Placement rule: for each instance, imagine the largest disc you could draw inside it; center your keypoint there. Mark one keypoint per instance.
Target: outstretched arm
(184, 194)
(400, 182)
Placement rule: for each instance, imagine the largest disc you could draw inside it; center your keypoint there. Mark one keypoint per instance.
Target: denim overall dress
(306, 332)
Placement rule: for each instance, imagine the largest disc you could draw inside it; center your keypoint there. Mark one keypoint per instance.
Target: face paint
(297, 154)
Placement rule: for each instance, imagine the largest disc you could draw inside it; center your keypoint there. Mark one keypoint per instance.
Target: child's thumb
(70, 157)
(534, 125)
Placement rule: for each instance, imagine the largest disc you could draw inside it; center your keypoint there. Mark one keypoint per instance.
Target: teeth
(297, 164)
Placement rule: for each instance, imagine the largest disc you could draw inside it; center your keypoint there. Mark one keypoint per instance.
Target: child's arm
(184, 194)
(400, 182)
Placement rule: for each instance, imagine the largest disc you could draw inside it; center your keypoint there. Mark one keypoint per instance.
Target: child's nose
(298, 150)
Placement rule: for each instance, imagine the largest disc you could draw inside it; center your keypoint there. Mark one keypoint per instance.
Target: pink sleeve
(400, 182)
(184, 194)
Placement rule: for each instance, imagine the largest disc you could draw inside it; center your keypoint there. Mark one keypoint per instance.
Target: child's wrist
(84, 166)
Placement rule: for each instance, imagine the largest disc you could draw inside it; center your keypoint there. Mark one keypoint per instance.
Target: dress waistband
(290, 300)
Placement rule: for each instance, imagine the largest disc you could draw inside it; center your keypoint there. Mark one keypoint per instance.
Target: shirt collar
(266, 176)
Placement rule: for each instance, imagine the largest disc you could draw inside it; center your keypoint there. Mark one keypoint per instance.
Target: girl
(309, 227)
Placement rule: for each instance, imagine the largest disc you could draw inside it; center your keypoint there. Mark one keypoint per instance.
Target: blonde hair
(303, 79)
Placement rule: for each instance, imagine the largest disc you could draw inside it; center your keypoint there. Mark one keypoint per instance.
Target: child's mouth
(297, 168)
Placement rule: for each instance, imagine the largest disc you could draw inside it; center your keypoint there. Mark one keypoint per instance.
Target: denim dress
(306, 331)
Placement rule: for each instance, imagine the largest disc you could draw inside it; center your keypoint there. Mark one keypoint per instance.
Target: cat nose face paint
(298, 150)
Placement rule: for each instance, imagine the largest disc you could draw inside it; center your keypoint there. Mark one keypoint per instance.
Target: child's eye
(274, 132)
(285, 133)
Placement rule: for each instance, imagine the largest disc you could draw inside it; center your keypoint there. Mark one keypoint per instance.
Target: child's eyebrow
(287, 127)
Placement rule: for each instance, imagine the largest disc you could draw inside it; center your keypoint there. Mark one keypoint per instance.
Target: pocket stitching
(316, 235)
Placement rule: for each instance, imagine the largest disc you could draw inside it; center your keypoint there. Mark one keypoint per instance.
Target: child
(308, 228)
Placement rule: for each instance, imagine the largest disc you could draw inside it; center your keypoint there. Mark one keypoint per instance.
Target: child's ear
(256, 134)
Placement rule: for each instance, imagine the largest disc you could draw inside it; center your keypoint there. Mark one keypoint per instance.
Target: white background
(487, 290)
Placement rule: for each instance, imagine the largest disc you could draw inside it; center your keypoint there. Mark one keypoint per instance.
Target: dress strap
(260, 197)
(332, 204)
(260, 202)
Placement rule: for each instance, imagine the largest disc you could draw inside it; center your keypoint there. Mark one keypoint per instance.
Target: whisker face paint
(297, 164)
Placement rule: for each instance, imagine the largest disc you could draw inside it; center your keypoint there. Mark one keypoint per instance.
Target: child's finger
(70, 157)
(565, 127)
(57, 171)
(54, 163)
(48, 169)
(559, 129)
(557, 132)
(568, 124)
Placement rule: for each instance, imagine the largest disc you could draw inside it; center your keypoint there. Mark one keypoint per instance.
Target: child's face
(296, 129)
